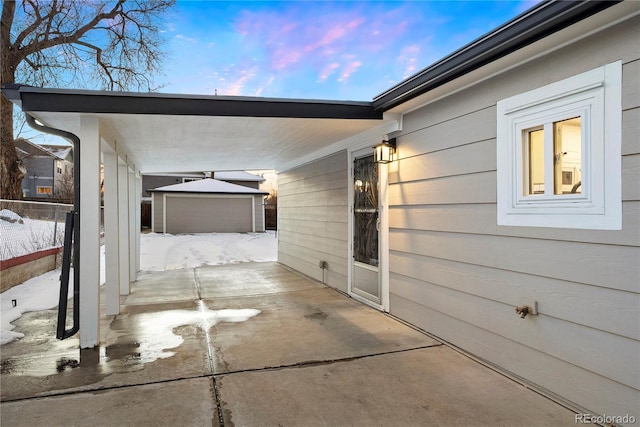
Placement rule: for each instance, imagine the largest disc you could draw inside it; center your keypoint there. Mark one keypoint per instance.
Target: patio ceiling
(173, 133)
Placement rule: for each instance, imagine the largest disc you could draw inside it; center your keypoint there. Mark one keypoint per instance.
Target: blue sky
(341, 50)
(346, 50)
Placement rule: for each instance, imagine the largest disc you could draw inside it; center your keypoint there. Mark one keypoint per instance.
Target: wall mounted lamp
(385, 151)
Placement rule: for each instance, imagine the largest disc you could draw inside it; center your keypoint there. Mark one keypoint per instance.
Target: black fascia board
(538, 22)
(82, 101)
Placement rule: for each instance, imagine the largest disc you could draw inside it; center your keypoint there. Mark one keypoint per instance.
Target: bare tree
(63, 190)
(114, 45)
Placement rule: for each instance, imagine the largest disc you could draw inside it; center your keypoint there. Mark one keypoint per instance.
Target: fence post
(55, 234)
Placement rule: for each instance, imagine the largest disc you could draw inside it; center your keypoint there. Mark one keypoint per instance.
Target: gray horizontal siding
(564, 380)
(312, 219)
(258, 206)
(157, 213)
(455, 273)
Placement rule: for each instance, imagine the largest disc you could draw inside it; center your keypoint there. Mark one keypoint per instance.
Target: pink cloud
(349, 69)
(408, 60)
(235, 87)
(338, 32)
(327, 70)
(284, 57)
(264, 85)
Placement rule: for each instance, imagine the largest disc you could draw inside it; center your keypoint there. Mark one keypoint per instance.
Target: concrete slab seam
(312, 363)
(216, 395)
(102, 389)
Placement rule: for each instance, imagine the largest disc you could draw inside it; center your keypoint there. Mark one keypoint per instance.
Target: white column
(89, 232)
(138, 218)
(383, 185)
(123, 230)
(132, 225)
(112, 285)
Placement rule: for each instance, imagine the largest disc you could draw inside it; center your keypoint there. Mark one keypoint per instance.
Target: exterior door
(365, 277)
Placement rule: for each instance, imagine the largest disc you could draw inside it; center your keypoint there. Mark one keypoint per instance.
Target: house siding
(41, 172)
(312, 219)
(157, 209)
(259, 213)
(456, 274)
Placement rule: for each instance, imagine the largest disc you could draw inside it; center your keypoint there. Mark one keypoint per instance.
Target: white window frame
(596, 97)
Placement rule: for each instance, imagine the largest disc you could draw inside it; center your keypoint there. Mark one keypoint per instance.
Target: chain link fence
(28, 227)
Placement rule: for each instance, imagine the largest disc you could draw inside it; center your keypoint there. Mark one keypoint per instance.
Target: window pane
(567, 165)
(365, 207)
(535, 170)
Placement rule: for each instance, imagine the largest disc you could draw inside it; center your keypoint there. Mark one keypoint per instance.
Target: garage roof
(207, 186)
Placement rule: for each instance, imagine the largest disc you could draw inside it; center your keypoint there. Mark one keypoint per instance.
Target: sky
(343, 50)
(339, 50)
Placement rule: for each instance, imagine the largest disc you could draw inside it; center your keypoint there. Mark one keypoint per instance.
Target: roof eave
(538, 22)
(34, 99)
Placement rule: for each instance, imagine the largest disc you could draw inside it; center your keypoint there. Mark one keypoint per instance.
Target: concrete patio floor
(312, 357)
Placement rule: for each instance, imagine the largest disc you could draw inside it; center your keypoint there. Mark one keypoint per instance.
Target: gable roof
(60, 151)
(31, 149)
(208, 186)
(237, 176)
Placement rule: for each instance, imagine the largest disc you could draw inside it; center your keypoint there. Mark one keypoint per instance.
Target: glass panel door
(366, 223)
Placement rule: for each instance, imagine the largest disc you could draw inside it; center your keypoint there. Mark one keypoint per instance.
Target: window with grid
(558, 153)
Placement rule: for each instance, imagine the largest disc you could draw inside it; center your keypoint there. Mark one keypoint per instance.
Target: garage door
(209, 215)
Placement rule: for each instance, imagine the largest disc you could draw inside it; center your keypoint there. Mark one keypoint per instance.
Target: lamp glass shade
(383, 153)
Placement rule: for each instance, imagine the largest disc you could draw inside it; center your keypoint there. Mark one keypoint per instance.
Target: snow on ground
(158, 252)
(25, 236)
(161, 252)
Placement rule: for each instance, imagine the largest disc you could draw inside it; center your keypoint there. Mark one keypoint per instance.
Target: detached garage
(207, 206)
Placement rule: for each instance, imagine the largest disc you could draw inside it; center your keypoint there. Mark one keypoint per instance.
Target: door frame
(383, 233)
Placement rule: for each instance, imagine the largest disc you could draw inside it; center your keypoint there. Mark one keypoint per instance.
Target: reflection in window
(365, 208)
(536, 161)
(563, 138)
(568, 156)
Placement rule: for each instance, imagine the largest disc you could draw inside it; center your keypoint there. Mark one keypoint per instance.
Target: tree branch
(71, 38)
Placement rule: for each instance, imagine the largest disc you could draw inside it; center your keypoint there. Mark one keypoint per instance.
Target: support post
(123, 229)
(132, 225)
(112, 285)
(89, 268)
(138, 218)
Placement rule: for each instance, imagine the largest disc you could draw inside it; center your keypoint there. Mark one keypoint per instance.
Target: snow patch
(158, 252)
(10, 216)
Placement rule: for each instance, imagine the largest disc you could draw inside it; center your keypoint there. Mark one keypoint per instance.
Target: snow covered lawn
(22, 236)
(158, 252)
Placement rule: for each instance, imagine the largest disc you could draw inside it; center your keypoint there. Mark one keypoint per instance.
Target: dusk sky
(346, 50)
(341, 50)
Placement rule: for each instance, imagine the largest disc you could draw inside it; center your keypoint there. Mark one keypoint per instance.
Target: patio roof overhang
(170, 133)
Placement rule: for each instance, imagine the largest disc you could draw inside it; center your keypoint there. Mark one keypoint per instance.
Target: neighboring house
(490, 204)
(153, 181)
(49, 170)
(150, 181)
(205, 206)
